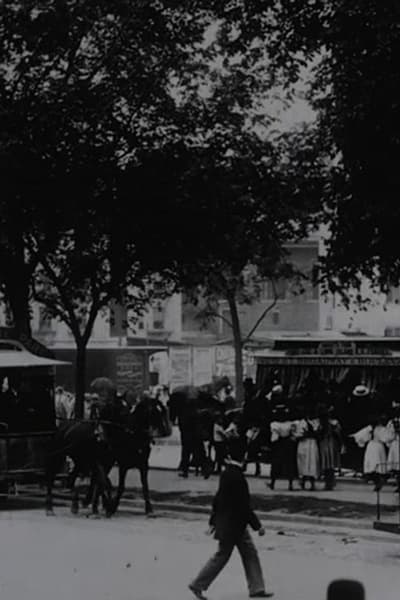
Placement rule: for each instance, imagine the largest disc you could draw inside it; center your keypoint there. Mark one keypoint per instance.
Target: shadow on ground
(294, 504)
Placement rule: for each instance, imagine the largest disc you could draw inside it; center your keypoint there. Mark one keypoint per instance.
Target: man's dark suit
(231, 514)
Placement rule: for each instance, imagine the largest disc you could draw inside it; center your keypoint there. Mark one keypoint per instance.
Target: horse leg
(88, 499)
(53, 466)
(74, 491)
(103, 489)
(144, 470)
(50, 476)
(122, 471)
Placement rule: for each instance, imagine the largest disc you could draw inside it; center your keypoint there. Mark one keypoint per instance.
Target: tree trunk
(18, 300)
(16, 277)
(80, 378)
(238, 347)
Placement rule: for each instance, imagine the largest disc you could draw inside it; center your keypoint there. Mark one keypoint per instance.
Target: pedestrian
(229, 520)
(308, 464)
(374, 437)
(60, 404)
(393, 460)
(330, 445)
(283, 447)
(219, 442)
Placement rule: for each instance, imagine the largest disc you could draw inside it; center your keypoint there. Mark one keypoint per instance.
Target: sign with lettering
(225, 362)
(339, 349)
(203, 361)
(180, 367)
(339, 361)
(129, 371)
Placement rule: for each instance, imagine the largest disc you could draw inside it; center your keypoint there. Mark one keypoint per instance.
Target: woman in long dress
(308, 462)
(393, 460)
(283, 446)
(330, 445)
(375, 437)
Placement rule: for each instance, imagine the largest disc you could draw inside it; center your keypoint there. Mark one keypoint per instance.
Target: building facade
(171, 344)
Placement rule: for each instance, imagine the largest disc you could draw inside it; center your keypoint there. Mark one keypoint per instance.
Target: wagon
(27, 411)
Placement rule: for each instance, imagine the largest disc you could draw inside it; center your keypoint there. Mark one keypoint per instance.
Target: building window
(275, 317)
(393, 295)
(158, 316)
(118, 320)
(392, 332)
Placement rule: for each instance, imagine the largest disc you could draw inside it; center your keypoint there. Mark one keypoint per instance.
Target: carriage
(27, 411)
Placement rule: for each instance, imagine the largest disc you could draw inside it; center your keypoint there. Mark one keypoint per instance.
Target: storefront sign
(345, 361)
(225, 362)
(203, 361)
(339, 349)
(180, 367)
(129, 371)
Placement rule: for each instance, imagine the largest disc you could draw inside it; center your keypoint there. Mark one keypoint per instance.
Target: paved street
(133, 558)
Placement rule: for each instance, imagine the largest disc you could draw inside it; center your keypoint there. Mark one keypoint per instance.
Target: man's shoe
(198, 593)
(262, 595)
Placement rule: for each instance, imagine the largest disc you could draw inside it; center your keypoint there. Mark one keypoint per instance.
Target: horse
(131, 446)
(82, 442)
(195, 410)
(95, 446)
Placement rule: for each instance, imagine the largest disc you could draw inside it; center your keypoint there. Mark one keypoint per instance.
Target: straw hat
(360, 390)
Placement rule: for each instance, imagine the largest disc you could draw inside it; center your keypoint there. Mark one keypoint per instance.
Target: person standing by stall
(308, 464)
(283, 447)
(374, 437)
(330, 445)
(393, 460)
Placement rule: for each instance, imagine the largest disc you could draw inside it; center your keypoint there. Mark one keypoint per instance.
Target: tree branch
(65, 302)
(265, 312)
(214, 313)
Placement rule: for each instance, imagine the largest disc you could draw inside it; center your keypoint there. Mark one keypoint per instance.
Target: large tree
(83, 85)
(229, 210)
(89, 90)
(352, 51)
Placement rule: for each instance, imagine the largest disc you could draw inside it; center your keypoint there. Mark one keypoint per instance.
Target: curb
(350, 480)
(281, 522)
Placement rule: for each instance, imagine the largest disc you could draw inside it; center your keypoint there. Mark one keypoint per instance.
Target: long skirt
(308, 458)
(330, 453)
(283, 459)
(393, 456)
(375, 460)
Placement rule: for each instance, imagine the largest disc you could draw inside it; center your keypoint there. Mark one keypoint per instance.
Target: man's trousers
(251, 563)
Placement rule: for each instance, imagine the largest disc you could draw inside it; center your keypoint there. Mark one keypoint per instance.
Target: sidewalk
(352, 502)
(167, 456)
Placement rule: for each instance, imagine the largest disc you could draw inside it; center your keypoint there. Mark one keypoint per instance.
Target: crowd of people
(64, 401)
(304, 442)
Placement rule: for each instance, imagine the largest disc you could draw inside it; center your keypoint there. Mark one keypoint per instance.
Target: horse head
(150, 417)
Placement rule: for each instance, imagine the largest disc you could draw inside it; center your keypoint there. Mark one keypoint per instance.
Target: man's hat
(360, 390)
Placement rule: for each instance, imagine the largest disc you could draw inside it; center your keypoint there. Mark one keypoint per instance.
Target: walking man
(231, 514)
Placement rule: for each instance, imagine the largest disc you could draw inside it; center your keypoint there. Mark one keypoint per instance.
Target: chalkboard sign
(129, 371)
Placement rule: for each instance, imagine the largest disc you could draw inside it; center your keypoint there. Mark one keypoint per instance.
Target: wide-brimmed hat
(277, 389)
(360, 390)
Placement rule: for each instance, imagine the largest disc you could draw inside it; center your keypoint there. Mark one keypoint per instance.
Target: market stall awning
(19, 359)
(312, 360)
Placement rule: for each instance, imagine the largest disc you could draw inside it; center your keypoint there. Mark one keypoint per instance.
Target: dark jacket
(232, 512)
